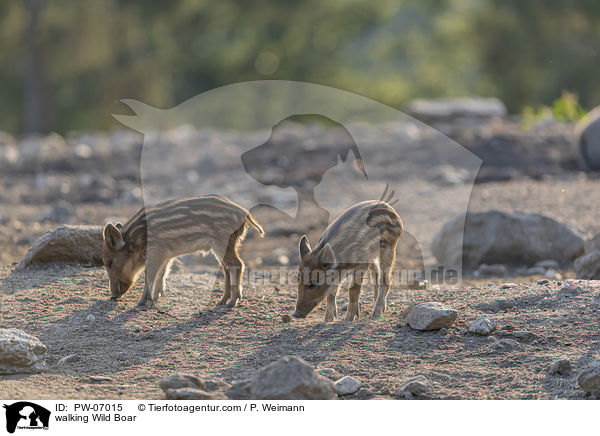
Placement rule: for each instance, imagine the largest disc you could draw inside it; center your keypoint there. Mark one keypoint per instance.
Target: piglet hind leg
(331, 308)
(385, 280)
(227, 293)
(353, 303)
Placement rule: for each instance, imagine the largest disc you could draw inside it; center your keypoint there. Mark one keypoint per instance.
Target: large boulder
(81, 244)
(589, 379)
(587, 141)
(587, 267)
(448, 109)
(495, 237)
(21, 353)
(291, 378)
(430, 316)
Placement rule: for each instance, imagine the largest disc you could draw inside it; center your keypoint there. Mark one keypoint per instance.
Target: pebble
(506, 345)
(483, 326)
(347, 385)
(100, 379)
(326, 371)
(415, 386)
(286, 318)
(561, 367)
(543, 281)
(90, 318)
(508, 285)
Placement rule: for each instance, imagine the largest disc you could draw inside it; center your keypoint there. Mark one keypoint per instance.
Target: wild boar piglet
(157, 234)
(362, 238)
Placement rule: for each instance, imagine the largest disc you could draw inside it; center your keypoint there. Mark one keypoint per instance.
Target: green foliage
(566, 108)
(162, 53)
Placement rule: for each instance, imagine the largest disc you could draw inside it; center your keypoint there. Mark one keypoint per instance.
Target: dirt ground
(187, 334)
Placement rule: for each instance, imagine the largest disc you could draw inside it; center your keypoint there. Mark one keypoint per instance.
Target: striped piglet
(362, 238)
(157, 234)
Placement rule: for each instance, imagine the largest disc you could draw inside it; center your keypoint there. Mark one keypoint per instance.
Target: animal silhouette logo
(26, 415)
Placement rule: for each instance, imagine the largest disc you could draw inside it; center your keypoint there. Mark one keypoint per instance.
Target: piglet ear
(304, 247)
(113, 237)
(327, 257)
(119, 226)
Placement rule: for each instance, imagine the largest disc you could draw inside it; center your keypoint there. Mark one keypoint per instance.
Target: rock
(215, 385)
(239, 390)
(286, 318)
(178, 381)
(327, 372)
(553, 275)
(506, 345)
(483, 326)
(587, 267)
(589, 379)
(291, 378)
(587, 142)
(525, 336)
(448, 109)
(508, 285)
(499, 237)
(415, 386)
(100, 379)
(570, 289)
(536, 271)
(20, 353)
(90, 318)
(543, 282)
(67, 359)
(496, 270)
(592, 244)
(192, 394)
(347, 385)
(561, 367)
(547, 264)
(431, 316)
(82, 244)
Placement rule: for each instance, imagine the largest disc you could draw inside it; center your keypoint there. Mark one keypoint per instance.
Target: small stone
(415, 386)
(431, 316)
(483, 326)
(536, 271)
(90, 318)
(570, 289)
(506, 345)
(327, 372)
(561, 367)
(67, 359)
(589, 379)
(99, 379)
(543, 281)
(286, 318)
(553, 275)
(547, 264)
(178, 381)
(347, 385)
(291, 378)
(507, 285)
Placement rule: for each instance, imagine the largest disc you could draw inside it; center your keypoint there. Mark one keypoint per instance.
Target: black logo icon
(26, 415)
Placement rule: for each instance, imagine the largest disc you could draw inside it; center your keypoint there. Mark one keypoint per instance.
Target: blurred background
(64, 64)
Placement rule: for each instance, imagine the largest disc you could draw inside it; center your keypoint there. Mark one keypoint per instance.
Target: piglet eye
(109, 263)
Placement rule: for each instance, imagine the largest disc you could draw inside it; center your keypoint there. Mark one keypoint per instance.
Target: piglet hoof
(144, 305)
(232, 304)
